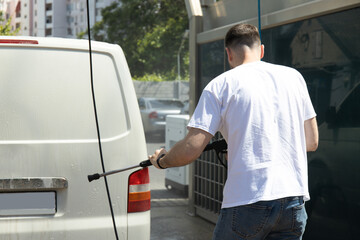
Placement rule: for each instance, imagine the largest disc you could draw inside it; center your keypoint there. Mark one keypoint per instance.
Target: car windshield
(165, 104)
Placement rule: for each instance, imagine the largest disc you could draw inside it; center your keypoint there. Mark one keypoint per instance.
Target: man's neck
(247, 59)
(250, 60)
(245, 55)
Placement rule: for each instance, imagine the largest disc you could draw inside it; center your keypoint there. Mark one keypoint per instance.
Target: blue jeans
(271, 220)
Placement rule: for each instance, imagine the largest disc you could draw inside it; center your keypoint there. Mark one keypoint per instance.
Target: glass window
(63, 100)
(48, 7)
(326, 50)
(48, 32)
(49, 19)
(212, 60)
(349, 112)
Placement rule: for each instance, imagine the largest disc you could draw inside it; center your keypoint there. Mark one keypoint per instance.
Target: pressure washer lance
(96, 176)
(218, 146)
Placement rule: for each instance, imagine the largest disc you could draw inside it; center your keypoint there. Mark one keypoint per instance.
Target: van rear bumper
(139, 225)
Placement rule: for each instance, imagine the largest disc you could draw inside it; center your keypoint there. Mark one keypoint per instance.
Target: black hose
(220, 146)
(97, 122)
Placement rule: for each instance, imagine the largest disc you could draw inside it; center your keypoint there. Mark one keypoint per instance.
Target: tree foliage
(150, 33)
(5, 27)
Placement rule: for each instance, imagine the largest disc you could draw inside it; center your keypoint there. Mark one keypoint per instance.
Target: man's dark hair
(242, 34)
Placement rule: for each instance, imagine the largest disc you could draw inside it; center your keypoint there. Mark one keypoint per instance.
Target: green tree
(5, 27)
(150, 33)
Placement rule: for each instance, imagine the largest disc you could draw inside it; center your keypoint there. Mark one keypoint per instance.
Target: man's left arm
(183, 152)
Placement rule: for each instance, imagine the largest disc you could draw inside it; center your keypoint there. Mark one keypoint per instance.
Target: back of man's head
(242, 35)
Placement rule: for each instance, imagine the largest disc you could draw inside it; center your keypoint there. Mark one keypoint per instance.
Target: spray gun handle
(145, 163)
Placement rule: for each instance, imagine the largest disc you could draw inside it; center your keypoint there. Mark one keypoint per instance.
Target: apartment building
(52, 18)
(26, 18)
(76, 15)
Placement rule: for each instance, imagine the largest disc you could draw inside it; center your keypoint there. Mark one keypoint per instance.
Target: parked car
(185, 109)
(154, 111)
(49, 143)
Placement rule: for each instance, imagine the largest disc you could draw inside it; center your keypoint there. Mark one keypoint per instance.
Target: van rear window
(45, 94)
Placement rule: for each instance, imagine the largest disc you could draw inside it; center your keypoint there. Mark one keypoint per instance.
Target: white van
(48, 143)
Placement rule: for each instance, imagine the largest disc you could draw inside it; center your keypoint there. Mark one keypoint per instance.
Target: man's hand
(153, 158)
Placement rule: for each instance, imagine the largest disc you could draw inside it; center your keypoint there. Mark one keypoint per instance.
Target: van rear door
(48, 141)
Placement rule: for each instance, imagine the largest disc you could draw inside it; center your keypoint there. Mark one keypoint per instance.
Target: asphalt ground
(170, 219)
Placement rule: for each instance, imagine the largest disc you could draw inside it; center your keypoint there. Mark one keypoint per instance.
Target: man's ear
(262, 51)
(229, 55)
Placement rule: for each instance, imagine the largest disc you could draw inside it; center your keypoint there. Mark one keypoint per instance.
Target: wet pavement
(170, 219)
(173, 223)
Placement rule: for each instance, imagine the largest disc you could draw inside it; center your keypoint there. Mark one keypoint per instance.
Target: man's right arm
(183, 152)
(311, 134)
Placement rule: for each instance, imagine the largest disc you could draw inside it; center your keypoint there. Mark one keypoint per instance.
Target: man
(265, 114)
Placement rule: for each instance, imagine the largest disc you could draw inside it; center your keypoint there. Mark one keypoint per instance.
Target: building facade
(51, 18)
(320, 38)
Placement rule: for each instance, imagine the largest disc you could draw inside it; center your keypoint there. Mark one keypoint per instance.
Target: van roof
(53, 42)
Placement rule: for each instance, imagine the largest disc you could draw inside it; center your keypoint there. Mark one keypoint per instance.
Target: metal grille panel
(209, 180)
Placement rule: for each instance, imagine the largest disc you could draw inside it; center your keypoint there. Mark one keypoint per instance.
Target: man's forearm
(187, 150)
(177, 156)
(311, 134)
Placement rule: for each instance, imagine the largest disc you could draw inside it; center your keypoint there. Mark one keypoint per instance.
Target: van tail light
(153, 115)
(139, 191)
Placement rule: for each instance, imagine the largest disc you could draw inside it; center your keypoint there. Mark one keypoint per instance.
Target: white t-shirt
(260, 109)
